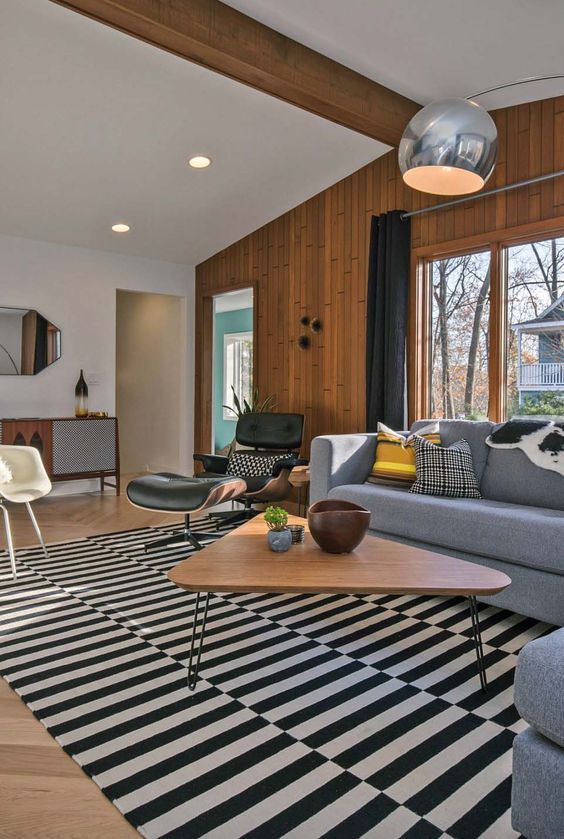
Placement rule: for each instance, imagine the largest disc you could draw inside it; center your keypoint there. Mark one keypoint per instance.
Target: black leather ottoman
(166, 492)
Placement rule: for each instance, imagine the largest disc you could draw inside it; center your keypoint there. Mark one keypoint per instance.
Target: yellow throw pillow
(395, 454)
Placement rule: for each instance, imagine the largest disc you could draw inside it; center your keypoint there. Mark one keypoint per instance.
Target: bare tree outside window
(535, 336)
(460, 336)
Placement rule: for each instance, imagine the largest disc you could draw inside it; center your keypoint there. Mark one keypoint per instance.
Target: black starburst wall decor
(304, 342)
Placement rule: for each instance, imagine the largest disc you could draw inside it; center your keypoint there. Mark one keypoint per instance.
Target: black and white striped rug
(317, 716)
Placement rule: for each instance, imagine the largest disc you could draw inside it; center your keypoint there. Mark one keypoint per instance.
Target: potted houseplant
(279, 537)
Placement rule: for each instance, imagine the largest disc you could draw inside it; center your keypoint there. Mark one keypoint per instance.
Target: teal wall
(240, 320)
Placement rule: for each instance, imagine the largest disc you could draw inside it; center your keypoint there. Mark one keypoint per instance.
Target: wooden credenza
(71, 447)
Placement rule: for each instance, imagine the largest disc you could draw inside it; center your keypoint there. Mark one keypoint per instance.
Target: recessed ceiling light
(200, 161)
(121, 228)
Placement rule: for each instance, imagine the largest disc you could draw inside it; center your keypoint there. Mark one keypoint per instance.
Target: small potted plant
(279, 537)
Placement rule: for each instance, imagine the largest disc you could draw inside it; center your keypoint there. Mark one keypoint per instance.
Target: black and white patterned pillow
(445, 471)
(250, 464)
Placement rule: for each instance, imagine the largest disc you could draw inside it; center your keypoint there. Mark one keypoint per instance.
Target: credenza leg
(477, 635)
(196, 646)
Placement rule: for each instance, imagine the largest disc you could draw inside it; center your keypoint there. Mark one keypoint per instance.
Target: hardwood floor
(43, 792)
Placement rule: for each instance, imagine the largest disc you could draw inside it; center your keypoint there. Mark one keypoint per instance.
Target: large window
(495, 333)
(237, 371)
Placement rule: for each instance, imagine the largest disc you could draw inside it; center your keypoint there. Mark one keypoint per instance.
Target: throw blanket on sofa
(541, 440)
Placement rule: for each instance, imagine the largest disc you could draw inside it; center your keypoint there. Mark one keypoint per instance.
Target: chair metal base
(10, 541)
(183, 536)
(234, 517)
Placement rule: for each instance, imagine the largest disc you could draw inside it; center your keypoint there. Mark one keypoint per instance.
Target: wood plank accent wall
(313, 260)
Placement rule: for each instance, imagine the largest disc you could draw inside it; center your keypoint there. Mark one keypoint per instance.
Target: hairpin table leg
(196, 647)
(477, 635)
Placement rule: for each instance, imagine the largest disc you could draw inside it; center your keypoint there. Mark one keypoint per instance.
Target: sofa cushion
(475, 432)
(539, 685)
(513, 533)
(510, 476)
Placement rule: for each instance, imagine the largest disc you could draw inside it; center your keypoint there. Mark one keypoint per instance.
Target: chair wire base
(197, 642)
(226, 518)
(10, 541)
(477, 636)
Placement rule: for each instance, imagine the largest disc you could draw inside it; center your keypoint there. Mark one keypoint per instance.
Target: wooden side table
(299, 478)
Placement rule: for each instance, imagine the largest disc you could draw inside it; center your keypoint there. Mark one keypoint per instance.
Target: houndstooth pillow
(445, 471)
(251, 465)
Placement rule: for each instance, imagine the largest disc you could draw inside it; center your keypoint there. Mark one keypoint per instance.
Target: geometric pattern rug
(315, 715)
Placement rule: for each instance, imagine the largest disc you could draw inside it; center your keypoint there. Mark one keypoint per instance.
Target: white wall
(75, 288)
(150, 379)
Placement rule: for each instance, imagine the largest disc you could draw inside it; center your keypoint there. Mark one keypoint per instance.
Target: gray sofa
(537, 798)
(518, 526)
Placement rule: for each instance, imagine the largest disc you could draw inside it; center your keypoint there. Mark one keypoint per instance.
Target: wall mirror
(28, 342)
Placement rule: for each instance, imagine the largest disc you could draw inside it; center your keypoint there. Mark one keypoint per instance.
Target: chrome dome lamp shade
(448, 148)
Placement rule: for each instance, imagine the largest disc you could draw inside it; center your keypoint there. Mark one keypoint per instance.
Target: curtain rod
(468, 198)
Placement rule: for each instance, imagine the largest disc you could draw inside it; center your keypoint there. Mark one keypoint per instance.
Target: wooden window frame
(419, 324)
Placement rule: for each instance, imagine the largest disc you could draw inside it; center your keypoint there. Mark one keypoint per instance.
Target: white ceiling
(428, 49)
(96, 128)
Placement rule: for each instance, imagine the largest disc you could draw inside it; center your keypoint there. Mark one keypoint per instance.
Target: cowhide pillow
(542, 441)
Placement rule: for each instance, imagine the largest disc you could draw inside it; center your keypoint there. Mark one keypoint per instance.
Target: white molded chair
(29, 482)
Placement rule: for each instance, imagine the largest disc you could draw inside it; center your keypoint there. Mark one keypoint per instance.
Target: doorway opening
(150, 381)
(232, 363)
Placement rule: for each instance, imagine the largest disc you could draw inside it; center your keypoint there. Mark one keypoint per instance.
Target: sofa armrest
(539, 685)
(340, 459)
(213, 462)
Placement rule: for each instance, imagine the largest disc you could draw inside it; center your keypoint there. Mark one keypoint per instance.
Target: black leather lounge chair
(272, 443)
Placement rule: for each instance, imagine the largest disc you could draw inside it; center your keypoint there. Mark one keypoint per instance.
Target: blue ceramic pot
(279, 540)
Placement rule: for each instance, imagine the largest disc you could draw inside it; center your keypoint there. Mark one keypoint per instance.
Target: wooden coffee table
(241, 561)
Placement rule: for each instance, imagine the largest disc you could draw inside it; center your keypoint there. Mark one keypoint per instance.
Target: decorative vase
(279, 540)
(337, 526)
(81, 397)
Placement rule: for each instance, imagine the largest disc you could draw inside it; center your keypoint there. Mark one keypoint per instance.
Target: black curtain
(386, 328)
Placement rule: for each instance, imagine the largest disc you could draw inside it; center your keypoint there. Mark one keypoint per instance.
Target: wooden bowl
(337, 526)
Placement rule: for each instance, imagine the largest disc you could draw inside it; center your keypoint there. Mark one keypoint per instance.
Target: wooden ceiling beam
(226, 41)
